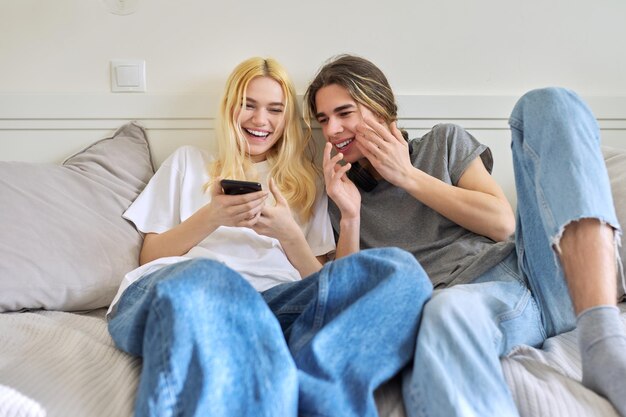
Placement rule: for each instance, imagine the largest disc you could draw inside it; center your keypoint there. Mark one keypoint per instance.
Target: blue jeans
(213, 346)
(560, 177)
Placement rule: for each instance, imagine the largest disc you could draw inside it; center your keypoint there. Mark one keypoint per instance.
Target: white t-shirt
(176, 191)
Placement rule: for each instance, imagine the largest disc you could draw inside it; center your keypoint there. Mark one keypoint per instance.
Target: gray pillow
(63, 242)
(615, 160)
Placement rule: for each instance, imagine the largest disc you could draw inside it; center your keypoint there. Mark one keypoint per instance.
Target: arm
(347, 198)
(476, 203)
(236, 210)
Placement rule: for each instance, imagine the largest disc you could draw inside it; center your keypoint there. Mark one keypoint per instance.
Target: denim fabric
(213, 346)
(560, 177)
(207, 339)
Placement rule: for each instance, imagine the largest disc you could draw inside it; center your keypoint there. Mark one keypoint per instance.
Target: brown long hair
(364, 81)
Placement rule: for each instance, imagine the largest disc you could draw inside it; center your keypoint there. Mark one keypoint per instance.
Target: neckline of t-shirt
(262, 166)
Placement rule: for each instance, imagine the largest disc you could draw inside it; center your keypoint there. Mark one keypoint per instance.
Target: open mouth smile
(342, 145)
(257, 133)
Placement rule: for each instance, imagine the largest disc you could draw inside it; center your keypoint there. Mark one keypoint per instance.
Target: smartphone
(235, 187)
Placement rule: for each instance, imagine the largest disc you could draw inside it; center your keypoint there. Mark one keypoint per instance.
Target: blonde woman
(231, 309)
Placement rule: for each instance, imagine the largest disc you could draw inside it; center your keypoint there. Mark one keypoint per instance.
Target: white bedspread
(59, 364)
(67, 364)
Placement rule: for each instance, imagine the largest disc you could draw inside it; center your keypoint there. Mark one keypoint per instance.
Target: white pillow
(64, 243)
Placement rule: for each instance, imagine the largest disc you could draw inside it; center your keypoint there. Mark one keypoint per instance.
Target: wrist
(410, 181)
(205, 220)
(291, 236)
(349, 223)
(293, 242)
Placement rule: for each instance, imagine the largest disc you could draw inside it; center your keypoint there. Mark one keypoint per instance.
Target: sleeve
(157, 208)
(462, 149)
(319, 233)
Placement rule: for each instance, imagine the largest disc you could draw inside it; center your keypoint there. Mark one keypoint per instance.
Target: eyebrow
(336, 110)
(277, 103)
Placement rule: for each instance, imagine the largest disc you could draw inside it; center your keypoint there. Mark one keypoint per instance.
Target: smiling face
(339, 115)
(262, 116)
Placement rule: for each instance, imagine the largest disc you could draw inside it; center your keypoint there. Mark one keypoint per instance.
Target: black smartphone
(235, 187)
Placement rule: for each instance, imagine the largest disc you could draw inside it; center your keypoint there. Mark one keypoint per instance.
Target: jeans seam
(542, 328)
(519, 307)
(318, 314)
(533, 155)
(512, 272)
(516, 124)
(416, 395)
(291, 309)
(322, 298)
(164, 360)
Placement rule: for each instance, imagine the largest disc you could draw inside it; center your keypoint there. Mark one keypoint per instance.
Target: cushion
(64, 243)
(615, 160)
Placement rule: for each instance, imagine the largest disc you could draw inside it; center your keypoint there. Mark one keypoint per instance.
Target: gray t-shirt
(390, 216)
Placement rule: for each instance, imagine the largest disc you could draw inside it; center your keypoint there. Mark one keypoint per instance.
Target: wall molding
(49, 127)
(195, 112)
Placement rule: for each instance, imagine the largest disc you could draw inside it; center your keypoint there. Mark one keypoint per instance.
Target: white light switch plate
(128, 76)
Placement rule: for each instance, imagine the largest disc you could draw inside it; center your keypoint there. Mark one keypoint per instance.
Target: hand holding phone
(236, 187)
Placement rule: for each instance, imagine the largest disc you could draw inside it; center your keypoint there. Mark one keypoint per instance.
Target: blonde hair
(292, 171)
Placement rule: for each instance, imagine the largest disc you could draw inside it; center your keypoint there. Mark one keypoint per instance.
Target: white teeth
(257, 133)
(343, 144)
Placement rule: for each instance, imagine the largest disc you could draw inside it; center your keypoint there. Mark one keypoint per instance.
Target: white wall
(425, 46)
(462, 61)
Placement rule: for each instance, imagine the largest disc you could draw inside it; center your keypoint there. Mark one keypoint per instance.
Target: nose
(259, 118)
(333, 127)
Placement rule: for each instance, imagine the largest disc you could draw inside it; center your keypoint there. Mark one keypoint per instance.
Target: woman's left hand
(277, 221)
(385, 148)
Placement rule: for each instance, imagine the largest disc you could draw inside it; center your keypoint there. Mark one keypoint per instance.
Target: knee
(549, 96)
(549, 103)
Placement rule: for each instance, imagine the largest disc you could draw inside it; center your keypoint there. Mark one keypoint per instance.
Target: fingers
(396, 132)
(250, 221)
(327, 159)
(373, 129)
(340, 170)
(334, 172)
(216, 187)
(242, 207)
(370, 146)
(327, 148)
(248, 218)
(329, 164)
(280, 199)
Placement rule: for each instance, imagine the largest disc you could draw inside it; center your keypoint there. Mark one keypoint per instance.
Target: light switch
(128, 76)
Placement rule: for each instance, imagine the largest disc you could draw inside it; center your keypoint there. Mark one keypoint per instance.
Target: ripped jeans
(560, 177)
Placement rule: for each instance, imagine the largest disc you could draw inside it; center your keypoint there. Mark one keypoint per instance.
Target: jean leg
(465, 329)
(357, 329)
(287, 301)
(210, 345)
(560, 177)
